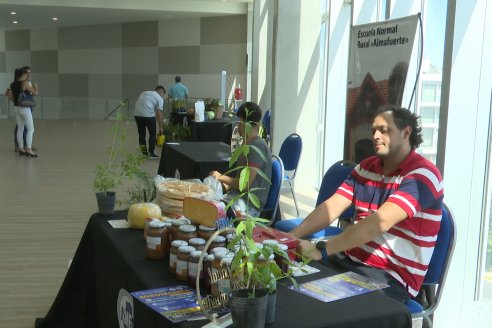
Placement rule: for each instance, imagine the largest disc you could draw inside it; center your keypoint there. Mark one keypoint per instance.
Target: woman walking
(23, 115)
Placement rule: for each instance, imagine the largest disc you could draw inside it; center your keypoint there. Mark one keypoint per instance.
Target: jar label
(154, 243)
(172, 260)
(181, 267)
(193, 270)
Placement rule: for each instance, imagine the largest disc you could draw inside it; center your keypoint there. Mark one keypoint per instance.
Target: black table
(213, 130)
(193, 159)
(108, 259)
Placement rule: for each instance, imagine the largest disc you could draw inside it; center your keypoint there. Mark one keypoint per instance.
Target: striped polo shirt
(405, 250)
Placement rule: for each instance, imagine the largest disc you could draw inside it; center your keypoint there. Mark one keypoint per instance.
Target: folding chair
(332, 179)
(435, 278)
(290, 153)
(271, 206)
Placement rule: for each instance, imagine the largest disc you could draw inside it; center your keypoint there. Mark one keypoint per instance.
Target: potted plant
(142, 191)
(119, 166)
(214, 105)
(253, 272)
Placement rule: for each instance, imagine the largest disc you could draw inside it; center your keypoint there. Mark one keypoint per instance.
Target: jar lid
(209, 257)
(219, 239)
(283, 247)
(196, 254)
(270, 242)
(179, 243)
(206, 228)
(229, 236)
(259, 245)
(156, 224)
(197, 241)
(186, 249)
(187, 228)
(168, 224)
(178, 222)
(185, 219)
(220, 255)
(219, 249)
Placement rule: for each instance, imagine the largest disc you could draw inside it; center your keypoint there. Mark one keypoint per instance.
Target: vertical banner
(379, 57)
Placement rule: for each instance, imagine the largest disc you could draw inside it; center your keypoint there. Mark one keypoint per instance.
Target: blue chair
(435, 278)
(271, 206)
(332, 179)
(265, 124)
(290, 153)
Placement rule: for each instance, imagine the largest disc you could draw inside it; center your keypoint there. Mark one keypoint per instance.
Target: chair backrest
(271, 205)
(290, 152)
(266, 121)
(441, 258)
(333, 178)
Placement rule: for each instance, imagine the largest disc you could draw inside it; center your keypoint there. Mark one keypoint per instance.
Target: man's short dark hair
(177, 78)
(403, 118)
(160, 87)
(249, 112)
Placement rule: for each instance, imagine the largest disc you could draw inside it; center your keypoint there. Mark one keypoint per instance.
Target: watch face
(321, 244)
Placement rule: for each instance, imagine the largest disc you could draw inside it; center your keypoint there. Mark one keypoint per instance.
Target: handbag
(26, 100)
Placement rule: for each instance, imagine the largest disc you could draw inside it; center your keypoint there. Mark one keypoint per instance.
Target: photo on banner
(379, 58)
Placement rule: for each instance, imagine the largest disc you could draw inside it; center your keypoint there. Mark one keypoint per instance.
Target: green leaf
(254, 199)
(240, 227)
(244, 179)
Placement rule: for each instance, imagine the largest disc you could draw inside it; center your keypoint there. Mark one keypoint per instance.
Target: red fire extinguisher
(238, 93)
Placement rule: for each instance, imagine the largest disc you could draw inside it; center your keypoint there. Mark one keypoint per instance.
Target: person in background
(23, 115)
(178, 91)
(148, 110)
(251, 113)
(398, 199)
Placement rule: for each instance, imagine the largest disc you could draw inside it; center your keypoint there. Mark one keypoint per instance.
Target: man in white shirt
(148, 110)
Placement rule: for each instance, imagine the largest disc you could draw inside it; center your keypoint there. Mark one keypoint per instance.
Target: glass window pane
(429, 114)
(428, 93)
(428, 136)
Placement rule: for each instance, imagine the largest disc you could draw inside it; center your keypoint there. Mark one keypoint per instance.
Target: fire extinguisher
(238, 93)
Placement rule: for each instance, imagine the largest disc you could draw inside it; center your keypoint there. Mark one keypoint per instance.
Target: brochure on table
(340, 286)
(177, 303)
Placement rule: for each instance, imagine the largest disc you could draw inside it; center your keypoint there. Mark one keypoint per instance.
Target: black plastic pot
(270, 311)
(247, 311)
(106, 202)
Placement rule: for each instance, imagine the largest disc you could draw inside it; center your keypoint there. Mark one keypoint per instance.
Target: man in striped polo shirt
(398, 199)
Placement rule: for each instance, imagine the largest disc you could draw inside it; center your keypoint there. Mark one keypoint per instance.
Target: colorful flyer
(177, 303)
(339, 286)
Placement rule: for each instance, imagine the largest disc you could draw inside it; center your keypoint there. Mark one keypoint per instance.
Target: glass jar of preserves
(176, 223)
(193, 268)
(225, 284)
(205, 232)
(198, 243)
(182, 262)
(219, 241)
(216, 276)
(155, 250)
(281, 260)
(166, 243)
(146, 226)
(207, 267)
(186, 232)
(173, 254)
(218, 250)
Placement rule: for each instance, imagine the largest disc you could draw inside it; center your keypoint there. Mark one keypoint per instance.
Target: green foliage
(212, 103)
(142, 191)
(249, 268)
(120, 166)
(175, 132)
(179, 105)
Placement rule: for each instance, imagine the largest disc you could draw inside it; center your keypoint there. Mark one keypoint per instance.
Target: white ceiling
(35, 14)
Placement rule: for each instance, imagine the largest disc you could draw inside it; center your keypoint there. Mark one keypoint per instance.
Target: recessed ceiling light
(15, 22)
(55, 19)
(12, 12)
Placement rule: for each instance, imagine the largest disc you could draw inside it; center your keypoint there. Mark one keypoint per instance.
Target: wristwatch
(321, 245)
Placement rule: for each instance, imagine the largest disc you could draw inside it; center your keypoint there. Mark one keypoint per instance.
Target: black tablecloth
(213, 130)
(194, 159)
(108, 259)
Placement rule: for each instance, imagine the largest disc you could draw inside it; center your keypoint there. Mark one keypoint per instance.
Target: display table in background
(213, 130)
(109, 259)
(193, 159)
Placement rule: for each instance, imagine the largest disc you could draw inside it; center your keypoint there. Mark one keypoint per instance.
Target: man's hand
(308, 249)
(215, 174)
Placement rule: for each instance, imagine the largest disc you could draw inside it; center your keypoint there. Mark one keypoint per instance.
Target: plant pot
(106, 202)
(219, 110)
(270, 310)
(246, 311)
